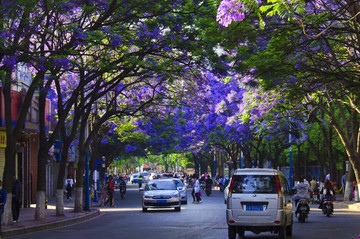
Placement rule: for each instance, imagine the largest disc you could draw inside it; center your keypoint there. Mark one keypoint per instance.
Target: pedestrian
(110, 189)
(193, 189)
(327, 177)
(343, 181)
(140, 181)
(68, 190)
(16, 199)
(3, 197)
(197, 190)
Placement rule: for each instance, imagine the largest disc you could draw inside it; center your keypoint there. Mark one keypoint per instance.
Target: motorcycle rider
(303, 191)
(326, 192)
(122, 184)
(140, 181)
(208, 183)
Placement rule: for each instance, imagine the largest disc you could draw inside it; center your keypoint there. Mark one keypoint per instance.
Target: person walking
(197, 190)
(68, 190)
(111, 190)
(193, 188)
(3, 197)
(16, 199)
(343, 181)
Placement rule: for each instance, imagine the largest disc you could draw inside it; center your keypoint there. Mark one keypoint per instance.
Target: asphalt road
(194, 221)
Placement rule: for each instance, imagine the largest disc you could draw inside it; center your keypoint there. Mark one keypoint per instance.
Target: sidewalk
(28, 224)
(339, 203)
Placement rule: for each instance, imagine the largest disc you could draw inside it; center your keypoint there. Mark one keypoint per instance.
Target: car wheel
(177, 209)
(282, 232)
(232, 232)
(241, 233)
(144, 209)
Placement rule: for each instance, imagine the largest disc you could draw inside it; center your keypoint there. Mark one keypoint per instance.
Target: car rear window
(254, 184)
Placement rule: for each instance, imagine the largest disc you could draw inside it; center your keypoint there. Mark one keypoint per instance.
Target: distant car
(167, 175)
(160, 193)
(134, 178)
(181, 187)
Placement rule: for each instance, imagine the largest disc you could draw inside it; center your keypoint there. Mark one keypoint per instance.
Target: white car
(181, 187)
(134, 178)
(161, 193)
(259, 200)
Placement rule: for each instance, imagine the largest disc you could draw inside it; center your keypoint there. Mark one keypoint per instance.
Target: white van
(259, 200)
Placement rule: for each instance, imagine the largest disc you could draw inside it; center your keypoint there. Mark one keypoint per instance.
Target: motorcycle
(328, 206)
(122, 191)
(315, 196)
(208, 191)
(221, 187)
(202, 185)
(302, 210)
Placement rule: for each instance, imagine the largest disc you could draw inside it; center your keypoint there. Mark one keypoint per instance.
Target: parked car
(181, 187)
(160, 193)
(134, 178)
(226, 191)
(259, 200)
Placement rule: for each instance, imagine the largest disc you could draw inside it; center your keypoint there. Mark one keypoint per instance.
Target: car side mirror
(180, 188)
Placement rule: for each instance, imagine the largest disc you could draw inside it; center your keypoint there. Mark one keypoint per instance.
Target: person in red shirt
(110, 189)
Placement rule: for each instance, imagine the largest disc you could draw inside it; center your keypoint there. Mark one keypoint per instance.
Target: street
(194, 221)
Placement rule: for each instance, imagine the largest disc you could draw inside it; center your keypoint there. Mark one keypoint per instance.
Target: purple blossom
(230, 10)
(116, 41)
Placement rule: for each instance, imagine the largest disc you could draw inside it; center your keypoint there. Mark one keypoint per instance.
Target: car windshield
(254, 184)
(160, 185)
(178, 183)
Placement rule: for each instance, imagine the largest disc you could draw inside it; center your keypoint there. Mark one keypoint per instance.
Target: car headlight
(175, 195)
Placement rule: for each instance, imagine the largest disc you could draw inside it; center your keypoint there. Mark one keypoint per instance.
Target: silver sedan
(160, 193)
(181, 187)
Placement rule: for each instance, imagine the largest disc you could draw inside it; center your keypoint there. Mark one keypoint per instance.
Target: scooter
(202, 185)
(208, 191)
(328, 206)
(122, 191)
(222, 187)
(302, 210)
(315, 196)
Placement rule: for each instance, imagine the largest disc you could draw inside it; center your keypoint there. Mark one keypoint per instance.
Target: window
(254, 184)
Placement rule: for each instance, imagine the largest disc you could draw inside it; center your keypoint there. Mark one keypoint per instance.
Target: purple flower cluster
(230, 10)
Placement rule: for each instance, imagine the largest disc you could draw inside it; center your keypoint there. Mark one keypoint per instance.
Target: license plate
(254, 208)
(161, 201)
(304, 208)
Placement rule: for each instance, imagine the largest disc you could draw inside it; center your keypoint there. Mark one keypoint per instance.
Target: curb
(50, 225)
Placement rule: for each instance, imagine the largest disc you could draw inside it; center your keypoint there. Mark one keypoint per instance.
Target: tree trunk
(59, 202)
(78, 206)
(7, 216)
(40, 212)
(41, 185)
(61, 180)
(349, 184)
